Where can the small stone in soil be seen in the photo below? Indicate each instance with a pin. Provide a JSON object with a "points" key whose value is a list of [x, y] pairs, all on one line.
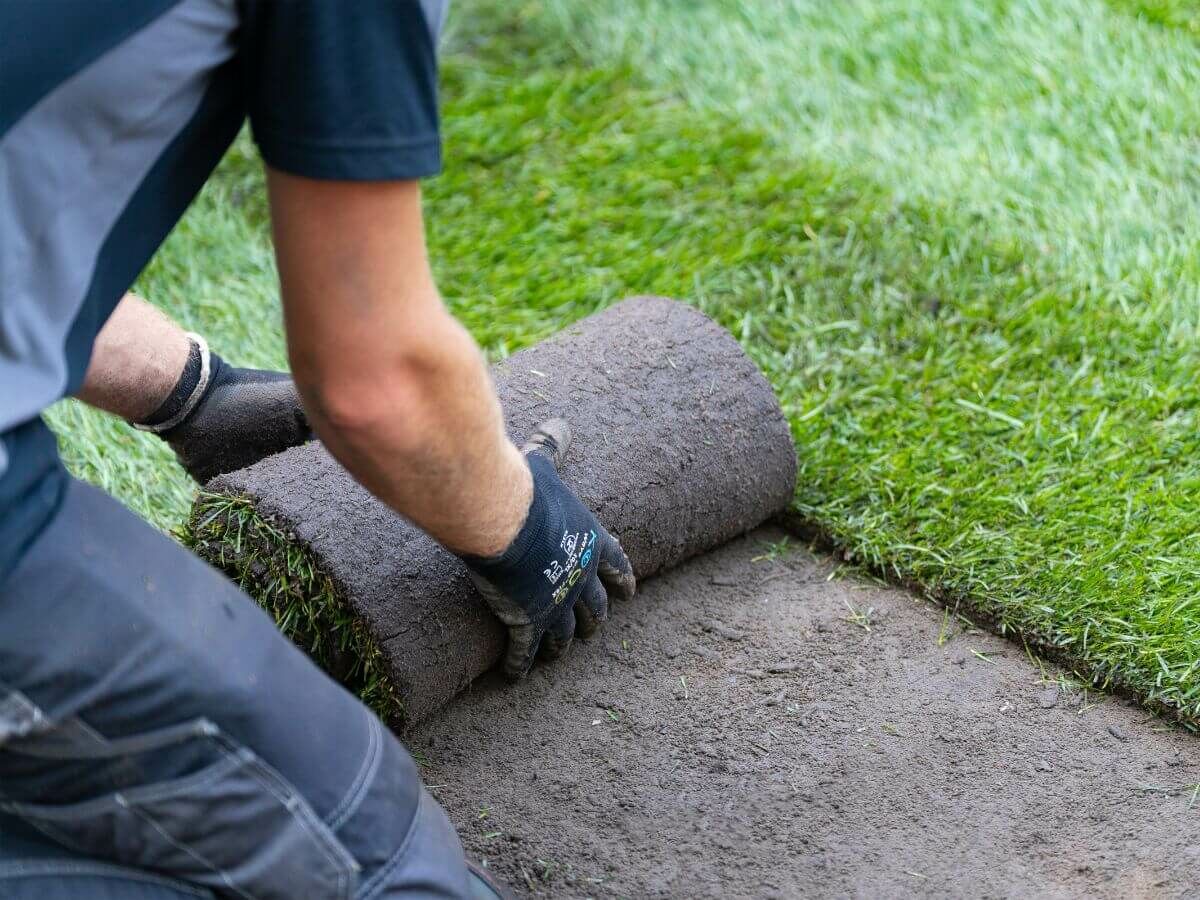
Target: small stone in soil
{"points": [[725, 580], [1049, 698], [720, 628]]}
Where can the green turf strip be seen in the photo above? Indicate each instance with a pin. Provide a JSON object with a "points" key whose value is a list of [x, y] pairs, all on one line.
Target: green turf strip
{"points": [[967, 418], [1027, 170], [1182, 14], [971, 414]]}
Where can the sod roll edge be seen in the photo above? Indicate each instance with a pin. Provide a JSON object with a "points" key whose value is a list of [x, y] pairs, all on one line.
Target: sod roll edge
{"points": [[678, 445]]}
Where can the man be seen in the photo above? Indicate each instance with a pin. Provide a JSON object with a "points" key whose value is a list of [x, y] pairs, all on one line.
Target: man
{"points": [[158, 737]]}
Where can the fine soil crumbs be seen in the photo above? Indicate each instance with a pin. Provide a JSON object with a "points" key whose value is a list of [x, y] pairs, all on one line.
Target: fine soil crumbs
{"points": [[749, 726]]}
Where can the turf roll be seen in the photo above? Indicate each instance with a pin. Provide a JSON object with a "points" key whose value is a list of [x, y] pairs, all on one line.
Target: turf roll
{"points": [[678, 445]]}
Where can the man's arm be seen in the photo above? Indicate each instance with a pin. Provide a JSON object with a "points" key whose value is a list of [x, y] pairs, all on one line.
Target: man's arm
{"points": [[395, 387], [399, 393], [137, 358]]}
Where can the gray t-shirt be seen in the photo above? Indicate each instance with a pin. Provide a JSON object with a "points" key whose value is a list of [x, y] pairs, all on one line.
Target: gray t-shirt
{"points": [[113, 114]]}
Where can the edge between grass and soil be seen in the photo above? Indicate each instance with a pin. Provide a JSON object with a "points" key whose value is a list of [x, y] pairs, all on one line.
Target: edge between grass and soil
{"points": [[871, 317], [282, 575], [976, 422]]}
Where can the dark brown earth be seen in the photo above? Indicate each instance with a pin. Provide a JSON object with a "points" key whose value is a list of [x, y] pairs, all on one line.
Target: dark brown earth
{"points": [[753, 727]]}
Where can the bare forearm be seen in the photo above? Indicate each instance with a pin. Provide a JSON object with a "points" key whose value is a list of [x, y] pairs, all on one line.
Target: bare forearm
{"points": [[425, 435], [136, 360], [395, 387]]}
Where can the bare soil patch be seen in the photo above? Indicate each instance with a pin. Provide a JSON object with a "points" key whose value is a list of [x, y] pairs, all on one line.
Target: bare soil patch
{"points": [[753, 727]]}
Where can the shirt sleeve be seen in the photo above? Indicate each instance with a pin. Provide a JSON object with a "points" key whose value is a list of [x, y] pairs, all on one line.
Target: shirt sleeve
{"points": [[344, 90]]}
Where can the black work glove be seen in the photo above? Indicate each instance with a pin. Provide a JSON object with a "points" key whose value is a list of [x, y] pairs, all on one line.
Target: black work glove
{"points": [[237, 417], [555, 579]]}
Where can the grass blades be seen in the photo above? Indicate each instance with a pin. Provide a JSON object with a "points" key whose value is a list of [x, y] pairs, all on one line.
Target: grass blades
{"points": [[969, 417], [280, 574], [1181, 14], [1060, 123]]}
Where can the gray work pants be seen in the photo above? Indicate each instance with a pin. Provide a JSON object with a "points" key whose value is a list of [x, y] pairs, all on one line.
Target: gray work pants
{"points": [[160, 738]]}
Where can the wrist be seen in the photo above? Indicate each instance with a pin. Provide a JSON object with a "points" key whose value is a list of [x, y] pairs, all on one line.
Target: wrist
{"points": [[511, 508], [189, 389], [523, 530]]}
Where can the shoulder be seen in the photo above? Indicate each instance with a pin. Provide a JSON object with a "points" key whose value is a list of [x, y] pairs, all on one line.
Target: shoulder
{"points": [[50, 44], [344, 91]]}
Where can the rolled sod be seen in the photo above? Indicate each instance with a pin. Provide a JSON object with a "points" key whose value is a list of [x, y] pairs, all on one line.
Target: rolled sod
{"points": [[678, 445]]}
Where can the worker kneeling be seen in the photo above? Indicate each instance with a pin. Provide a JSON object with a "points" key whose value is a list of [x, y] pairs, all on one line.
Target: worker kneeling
{"points": [[158, 736]]}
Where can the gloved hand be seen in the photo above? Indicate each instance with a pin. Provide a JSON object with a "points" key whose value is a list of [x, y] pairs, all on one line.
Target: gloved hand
{"points": [[555, 579], [240, 416]]}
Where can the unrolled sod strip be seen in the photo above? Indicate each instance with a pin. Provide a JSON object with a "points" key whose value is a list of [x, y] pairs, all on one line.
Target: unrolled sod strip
{"points": [[678, 445]]}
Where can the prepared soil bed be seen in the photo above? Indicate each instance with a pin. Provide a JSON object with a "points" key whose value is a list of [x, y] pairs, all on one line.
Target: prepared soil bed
{"points": [[754, 725]]}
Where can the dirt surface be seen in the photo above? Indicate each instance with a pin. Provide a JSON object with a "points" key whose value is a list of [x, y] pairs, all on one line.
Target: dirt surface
{"points": [[753, 727]]}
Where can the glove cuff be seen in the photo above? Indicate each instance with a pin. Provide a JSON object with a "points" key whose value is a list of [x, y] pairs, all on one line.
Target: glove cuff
{"points": [[189, 390], [529, 536]]}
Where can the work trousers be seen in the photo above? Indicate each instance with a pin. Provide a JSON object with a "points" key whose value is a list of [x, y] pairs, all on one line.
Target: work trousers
{"points": [[159, 738]]}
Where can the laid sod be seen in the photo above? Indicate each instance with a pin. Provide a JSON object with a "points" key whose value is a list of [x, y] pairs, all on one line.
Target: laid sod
{"points": [[1182, 14], [959, 238]]}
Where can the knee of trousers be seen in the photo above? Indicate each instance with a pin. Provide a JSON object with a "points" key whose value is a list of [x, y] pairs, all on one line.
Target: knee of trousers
{"points": [[177, 731], [191, 803]]}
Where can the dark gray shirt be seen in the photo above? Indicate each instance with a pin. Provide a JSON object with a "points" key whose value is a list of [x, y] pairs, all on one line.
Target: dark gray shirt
{"points": [[113, 113]]}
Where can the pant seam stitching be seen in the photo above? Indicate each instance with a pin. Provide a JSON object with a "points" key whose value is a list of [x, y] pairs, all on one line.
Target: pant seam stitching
{"points": [[372, 887], [301, 813], [149, 820], [362, 781], [104, 803]]}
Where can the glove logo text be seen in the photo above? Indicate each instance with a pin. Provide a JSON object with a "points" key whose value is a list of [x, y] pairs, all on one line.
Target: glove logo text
{"points": [[579, 552]]}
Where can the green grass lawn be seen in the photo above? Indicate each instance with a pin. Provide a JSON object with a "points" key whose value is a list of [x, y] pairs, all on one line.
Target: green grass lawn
{"points": [[1182, 14], [961, 238]]}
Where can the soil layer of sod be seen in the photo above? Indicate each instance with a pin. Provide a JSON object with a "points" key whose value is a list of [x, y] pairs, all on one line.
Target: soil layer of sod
{"points": [[754, 725]]}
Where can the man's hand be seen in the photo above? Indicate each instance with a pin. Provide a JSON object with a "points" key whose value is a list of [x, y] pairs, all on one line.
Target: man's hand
{"points": [[241, 416], [150, 372], [400, 395], [555, 578]]}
